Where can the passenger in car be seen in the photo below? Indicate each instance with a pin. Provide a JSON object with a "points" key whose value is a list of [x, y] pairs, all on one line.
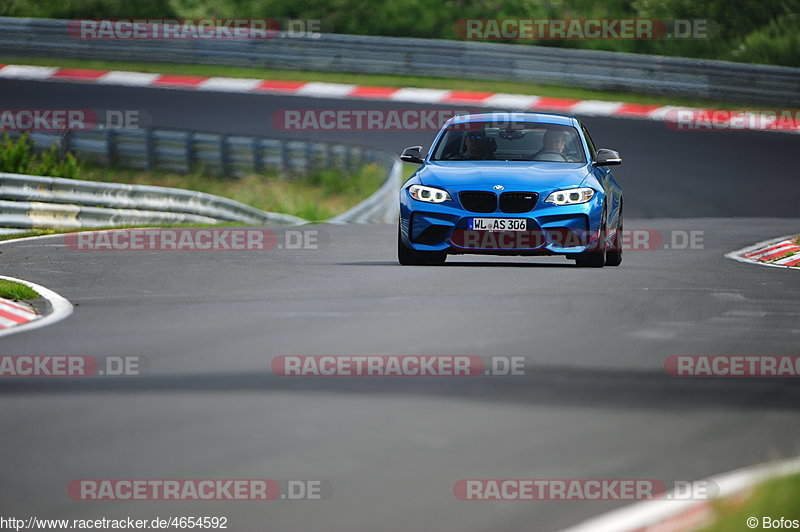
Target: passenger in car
{"points": [[479, 145]]}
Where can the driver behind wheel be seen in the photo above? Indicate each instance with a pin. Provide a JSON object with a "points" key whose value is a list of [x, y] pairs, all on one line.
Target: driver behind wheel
{"points": [[553, 144]]}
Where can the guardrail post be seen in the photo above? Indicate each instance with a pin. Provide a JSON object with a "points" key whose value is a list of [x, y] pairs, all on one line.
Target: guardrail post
{"points": [[258, 164], [111, 152], [360, 157], [149, 155], [309, 155], [63, 143], [189, 151], [285, 156], [348, 157], [223, 155]]}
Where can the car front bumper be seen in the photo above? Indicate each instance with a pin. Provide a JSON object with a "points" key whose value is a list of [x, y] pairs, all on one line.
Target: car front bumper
{"points": [[551, 229]]}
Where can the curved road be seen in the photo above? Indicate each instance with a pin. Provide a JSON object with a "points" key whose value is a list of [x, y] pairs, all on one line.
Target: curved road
{"points": [[595, 402]]}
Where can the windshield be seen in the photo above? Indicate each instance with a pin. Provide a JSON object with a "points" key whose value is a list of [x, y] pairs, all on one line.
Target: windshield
{"points": [[529, 141]]}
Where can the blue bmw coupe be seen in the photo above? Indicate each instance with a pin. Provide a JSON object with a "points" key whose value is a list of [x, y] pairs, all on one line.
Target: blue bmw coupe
{"points": [[511, 184]]}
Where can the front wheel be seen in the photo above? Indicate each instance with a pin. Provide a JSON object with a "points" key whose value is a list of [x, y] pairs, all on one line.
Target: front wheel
{"points": [[614, 254], [591, 259], [411, 257], [595, 258]]}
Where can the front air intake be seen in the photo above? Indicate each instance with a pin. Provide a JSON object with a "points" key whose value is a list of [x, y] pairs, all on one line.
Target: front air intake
{"points": [[476, 201], [516, 202]]}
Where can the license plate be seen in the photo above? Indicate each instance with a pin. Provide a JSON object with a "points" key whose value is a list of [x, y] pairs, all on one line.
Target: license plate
{"points": [[498, 224]]}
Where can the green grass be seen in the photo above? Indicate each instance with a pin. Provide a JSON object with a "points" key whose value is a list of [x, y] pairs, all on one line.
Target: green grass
{"points": [[775, 498], [317, 196], [16, 291], [380, 80]]}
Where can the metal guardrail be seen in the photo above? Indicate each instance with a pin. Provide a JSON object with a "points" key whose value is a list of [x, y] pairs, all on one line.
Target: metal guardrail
{"points": [[738, 82], [46, 202], [34, 202], [227, 155]]}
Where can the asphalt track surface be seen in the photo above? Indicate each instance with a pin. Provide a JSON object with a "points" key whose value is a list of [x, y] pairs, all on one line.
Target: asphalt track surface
{"points": [[595, 402]]}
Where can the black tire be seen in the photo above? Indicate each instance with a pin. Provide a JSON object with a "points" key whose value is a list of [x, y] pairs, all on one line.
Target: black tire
{"points": [[591, 259], [614, 255], [595, 258], [410, 257]]}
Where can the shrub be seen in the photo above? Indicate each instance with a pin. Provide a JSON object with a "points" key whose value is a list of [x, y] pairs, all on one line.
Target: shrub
{"points": [[17, 156]]}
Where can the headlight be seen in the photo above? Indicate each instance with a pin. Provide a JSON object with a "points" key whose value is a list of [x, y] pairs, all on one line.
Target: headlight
{"points": [[429, 194], [571, 196]]}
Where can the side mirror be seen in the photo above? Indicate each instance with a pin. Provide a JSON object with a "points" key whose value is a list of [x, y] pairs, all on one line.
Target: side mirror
{"points": [[412, 155], [607, 157]]}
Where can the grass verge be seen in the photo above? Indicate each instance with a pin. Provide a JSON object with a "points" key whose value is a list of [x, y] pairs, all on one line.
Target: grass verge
{"points": [[381, 80], [773, 499], [16, 291], [317, 196]]}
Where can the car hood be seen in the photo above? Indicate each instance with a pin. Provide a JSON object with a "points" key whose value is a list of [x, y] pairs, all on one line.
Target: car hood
{"points": [[510, 174]]}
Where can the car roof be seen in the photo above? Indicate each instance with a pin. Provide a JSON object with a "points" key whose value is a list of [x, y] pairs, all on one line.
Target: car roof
{"points": [[522, 116]]}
